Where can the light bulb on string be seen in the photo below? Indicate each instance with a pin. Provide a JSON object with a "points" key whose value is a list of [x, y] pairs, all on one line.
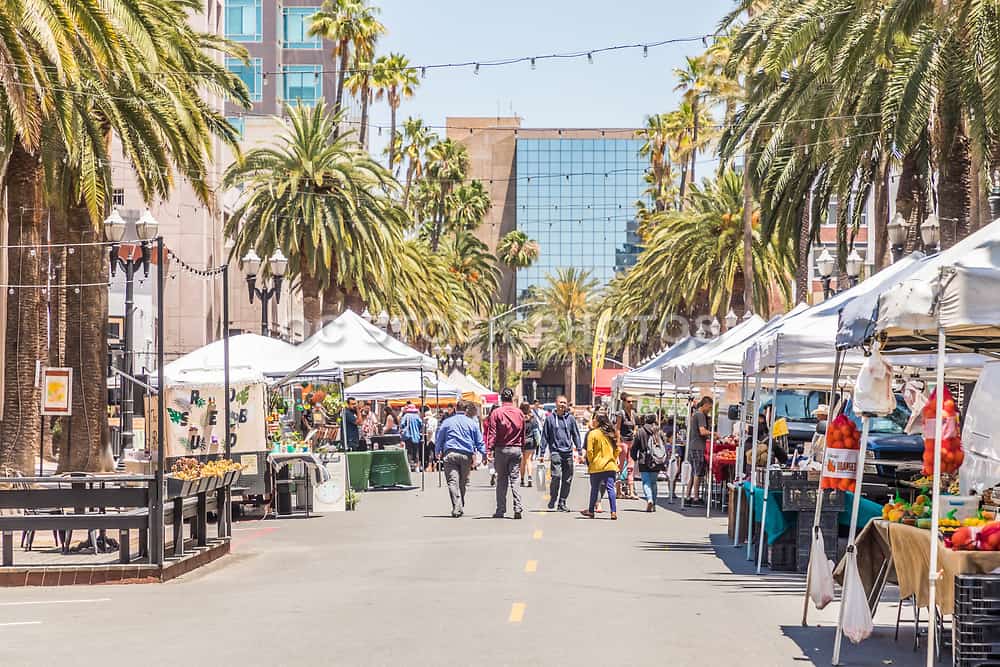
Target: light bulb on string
{"points": [[645, 51], [423, 72], [533, 66], [476, 71], [590, 58]]}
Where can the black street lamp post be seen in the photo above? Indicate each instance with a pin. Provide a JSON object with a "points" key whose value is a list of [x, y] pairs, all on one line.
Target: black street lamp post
{"points": [[257, 286], [146, 228]]}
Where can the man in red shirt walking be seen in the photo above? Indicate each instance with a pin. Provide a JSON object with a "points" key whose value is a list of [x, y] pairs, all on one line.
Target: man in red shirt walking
{"points": [[504, 438]]}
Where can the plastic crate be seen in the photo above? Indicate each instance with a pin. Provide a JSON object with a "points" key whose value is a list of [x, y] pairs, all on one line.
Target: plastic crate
{"points": [[783, 557], [798, 495], [977, 637], [828, 527], [977, 595]]}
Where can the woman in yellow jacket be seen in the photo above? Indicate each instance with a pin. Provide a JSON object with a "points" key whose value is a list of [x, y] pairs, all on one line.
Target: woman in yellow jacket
{"points": [[602, 462]]}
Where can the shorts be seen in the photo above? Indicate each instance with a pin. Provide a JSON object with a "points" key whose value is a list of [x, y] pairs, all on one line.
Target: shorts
{"points": [[698, 465]]}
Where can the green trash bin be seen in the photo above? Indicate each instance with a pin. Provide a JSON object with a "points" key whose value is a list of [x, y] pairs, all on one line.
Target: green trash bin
{"points": [[389, 468], [359, 465]]}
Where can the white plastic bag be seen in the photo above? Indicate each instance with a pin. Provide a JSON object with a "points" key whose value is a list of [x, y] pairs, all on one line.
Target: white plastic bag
{"points": [[820, 573], [685, 473], [873, 389], [858, 624], [673, 467]]}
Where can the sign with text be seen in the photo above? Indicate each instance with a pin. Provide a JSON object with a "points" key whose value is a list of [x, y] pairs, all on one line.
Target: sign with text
{"points": [[841, 463], [57, 391], [196, 421]]}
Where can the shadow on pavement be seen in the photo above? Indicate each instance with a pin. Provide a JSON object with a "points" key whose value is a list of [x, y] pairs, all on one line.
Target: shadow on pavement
{"points": [[816, 643]]}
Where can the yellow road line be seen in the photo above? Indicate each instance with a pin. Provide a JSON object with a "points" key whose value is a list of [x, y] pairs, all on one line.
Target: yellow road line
{"points": [[537, 535], [531, 566], [516, 612]]}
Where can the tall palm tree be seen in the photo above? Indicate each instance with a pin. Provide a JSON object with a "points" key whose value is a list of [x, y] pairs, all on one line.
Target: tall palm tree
{"points": [[360, 84], [325, 204], [516, 251], [447, 166], [470, 261], [397, 81], [467, 206], [352, 27], [510, 337], [696, 81], [415, 140], [684, 143], [694, 260], [565, 303], [656, 147]]}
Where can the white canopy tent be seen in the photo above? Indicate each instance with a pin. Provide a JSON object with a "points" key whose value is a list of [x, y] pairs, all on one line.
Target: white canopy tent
{"points": [[468, 385], [269, 356], [403, 386], [356, 346], [647, 380]]}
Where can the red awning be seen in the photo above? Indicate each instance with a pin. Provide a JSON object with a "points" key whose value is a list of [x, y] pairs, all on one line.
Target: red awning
{"points": [[602, 384]]}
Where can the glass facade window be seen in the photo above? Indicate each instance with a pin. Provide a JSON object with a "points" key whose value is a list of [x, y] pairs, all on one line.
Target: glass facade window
{"points": [[239, 124], [244, 20], [296, 22], [302, 83], [252, 75], [577, 198]]}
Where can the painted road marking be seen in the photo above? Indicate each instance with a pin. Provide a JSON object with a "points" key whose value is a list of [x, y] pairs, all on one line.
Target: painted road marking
{"points": [[537, 534], [516, 612], [531, 566], [27, 602], [7, 625]]}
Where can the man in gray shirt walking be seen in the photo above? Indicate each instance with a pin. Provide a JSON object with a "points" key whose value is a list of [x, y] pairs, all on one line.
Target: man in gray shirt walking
{"points": [[698, 435], [560, 436]]}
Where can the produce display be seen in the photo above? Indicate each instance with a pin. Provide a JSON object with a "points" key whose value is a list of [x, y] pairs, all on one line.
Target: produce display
{"points": [[916, 513], [952, 455], [190, 469], [982, 537], [840, 434]]}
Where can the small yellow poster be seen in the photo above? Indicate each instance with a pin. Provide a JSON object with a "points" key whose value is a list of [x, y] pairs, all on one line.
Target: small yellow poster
{"points": [[57, 391]]}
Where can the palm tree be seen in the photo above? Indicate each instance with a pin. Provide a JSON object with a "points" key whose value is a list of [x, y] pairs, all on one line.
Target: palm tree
{"points": [[397, 81], [696, 81], [467, 205], [693, 260], [565, 303], [510, 337], [470, 261], [447, 166], [516, 251], [325, 204], [360, 84], [656, 147], [352, 26], [415, 140], [679, 126]]}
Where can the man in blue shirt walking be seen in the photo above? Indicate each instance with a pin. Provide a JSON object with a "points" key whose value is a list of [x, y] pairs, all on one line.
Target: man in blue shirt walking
{"points": [[458, 438], [560, 436]]}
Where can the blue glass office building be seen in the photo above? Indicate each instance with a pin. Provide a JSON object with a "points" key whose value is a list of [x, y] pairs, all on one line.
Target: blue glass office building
{"points": [[577, 197]]}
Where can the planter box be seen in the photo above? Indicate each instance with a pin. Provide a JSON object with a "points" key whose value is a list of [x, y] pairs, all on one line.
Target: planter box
{"points": [[184, 488]]}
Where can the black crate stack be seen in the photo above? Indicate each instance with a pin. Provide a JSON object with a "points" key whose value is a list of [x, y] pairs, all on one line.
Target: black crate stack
{"points": [[977, 620], [790, 552]]}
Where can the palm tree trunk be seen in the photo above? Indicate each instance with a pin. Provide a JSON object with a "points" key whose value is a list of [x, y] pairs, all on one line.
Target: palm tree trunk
{"points": [[363, 132], [879, 223], [410, 172], [694, 138], [910, 197], [333, 301], [86, 347], [438, 220], [684, 178], [502, 365], [954, 169], [25, 325], [572, 380], [311, 309], [747, 239], [341, 75], [802, 281], [393, 106]]}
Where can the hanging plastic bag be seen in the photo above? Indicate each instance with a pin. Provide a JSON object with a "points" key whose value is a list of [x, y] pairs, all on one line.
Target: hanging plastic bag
{"points": [[685, 474], [858, 624], [673, 467], [873, 389], [913, 396], [820, 573]]}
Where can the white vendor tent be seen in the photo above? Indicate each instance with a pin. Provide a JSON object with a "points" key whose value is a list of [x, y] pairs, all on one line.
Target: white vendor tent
{"points": [[403, 386], [468, 385], [356, 346], [681, 372], [647, 379], [269, 356]]}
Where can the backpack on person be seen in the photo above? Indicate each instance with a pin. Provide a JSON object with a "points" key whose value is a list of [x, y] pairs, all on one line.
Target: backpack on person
{"points": [[656, 452]]}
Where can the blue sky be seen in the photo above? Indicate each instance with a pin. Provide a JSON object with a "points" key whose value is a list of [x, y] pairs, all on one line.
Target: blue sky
{"points": [[618, 90]]}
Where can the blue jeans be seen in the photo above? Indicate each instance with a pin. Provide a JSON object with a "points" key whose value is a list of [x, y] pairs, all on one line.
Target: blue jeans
{"points": [[649, 486], [606, 479]]}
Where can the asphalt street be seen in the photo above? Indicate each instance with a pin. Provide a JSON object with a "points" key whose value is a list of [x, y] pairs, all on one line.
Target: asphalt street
{"points": [[399, 582]]}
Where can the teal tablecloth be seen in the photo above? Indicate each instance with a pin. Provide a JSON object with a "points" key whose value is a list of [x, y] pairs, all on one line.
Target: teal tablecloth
{"points": [[777, 521]]}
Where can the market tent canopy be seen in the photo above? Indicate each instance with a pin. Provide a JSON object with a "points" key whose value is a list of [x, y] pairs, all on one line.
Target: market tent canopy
{"points": [[201, 377], [472, 390], [356, 346], [269, 356], [678, 371], [726, 366], [647, 379], [957, 290], [805, 343], [403, 386], [603, 380]]}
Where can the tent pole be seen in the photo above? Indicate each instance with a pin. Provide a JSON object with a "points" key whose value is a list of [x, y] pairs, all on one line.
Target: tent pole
{"points": [[673, 447], [838, 357], [753, 466], [770, 450], [423, 422], [852, 532], [935, 506], [711, 455], [740, 457], [437, 406]]}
